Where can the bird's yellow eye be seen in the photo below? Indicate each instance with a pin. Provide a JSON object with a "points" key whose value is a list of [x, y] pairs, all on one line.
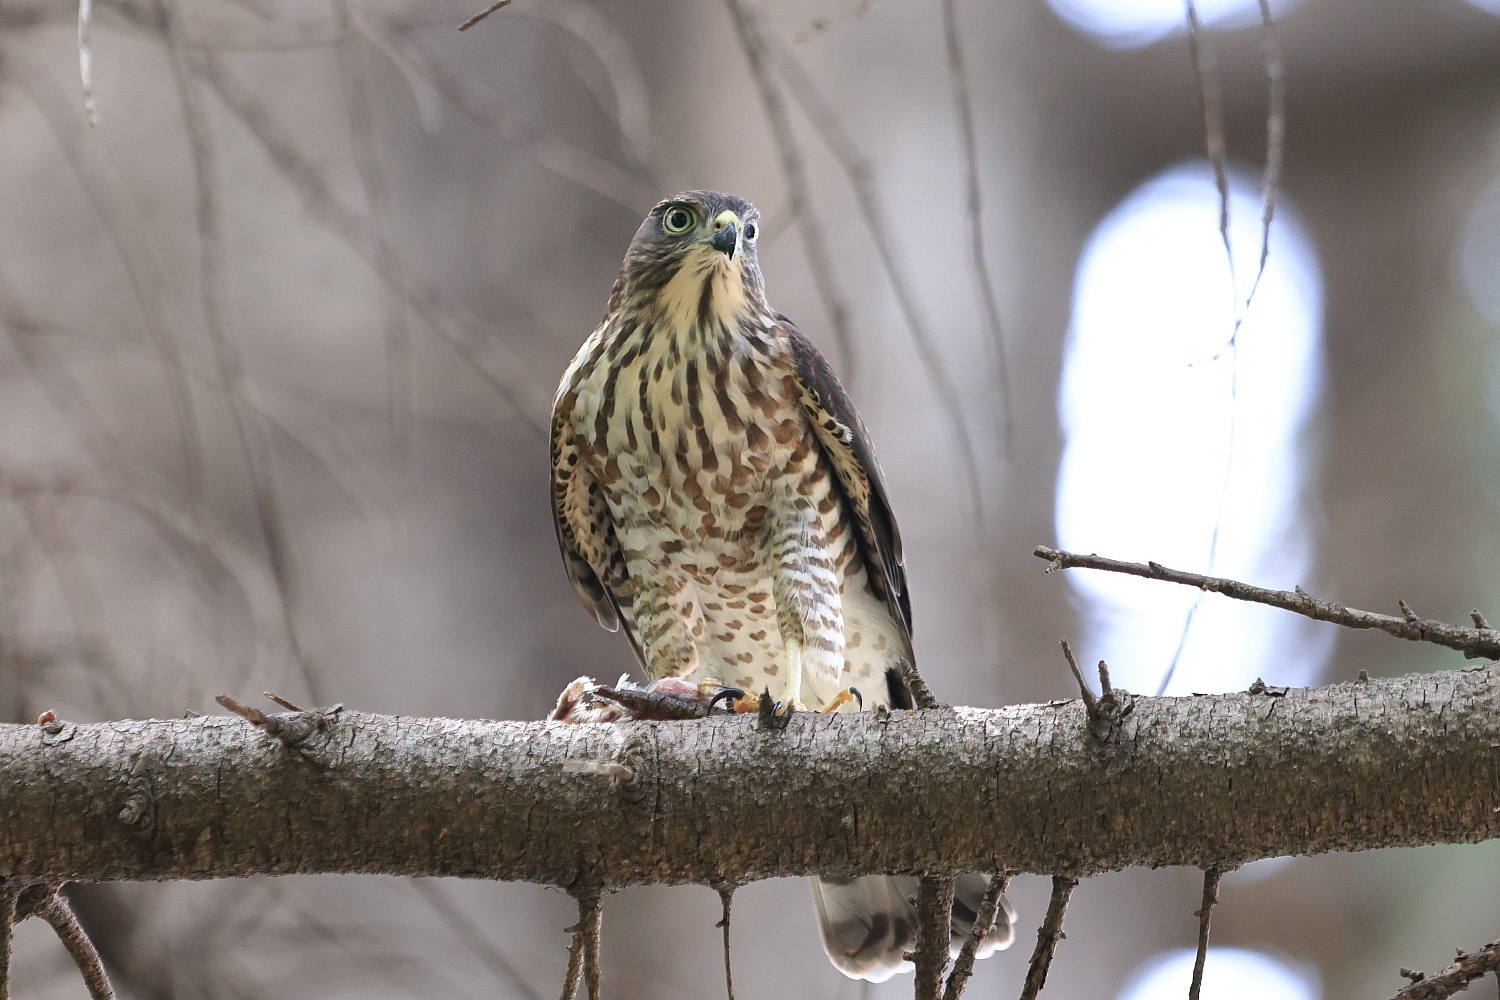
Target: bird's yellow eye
{"points": [[751, 231], [677, 220]]}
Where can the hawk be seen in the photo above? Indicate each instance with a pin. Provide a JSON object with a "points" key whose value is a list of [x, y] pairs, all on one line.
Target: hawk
{"points": [[717, 499]]}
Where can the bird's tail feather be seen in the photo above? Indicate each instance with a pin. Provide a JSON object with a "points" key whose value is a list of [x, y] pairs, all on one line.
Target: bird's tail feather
{"points": [[869, 923]]}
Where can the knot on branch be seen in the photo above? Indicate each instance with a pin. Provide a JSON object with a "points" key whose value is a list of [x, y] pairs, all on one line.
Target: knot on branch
{"points": [[1108, 710], [293, 728]]}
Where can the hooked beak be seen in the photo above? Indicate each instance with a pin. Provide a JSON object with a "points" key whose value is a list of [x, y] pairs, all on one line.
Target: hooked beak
{"points": [[726, 238]]}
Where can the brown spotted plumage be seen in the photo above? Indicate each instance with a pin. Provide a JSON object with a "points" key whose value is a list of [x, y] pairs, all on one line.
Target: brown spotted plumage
{"points": [[716, 497]]}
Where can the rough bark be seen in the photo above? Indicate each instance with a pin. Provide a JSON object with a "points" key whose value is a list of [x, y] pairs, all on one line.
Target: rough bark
{"points": [[1206, 781]]}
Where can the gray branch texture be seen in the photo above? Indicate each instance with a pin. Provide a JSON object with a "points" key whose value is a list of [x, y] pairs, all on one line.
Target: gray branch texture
{"points": [[1206, 780]]}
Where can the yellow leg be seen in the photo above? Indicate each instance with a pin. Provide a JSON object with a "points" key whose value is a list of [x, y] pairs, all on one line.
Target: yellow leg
{"points": [[791, 693]]}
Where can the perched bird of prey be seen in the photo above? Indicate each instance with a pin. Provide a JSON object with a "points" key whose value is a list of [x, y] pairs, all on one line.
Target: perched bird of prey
{"points": [[716, 497]]}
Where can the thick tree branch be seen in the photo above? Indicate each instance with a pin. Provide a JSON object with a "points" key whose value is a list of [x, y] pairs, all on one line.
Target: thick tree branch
{"points": [[1205, 781]]}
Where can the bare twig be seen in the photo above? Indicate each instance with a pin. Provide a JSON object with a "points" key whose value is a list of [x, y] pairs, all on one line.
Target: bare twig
{"points": [[964, 110], [278, 699], [1047, 936], [1456, 978], [574, 975], [59, 914], [1474, 643], [799, 189], [934, 923], [292, 730], [1270, 178], [921, 694], [483, 14], [984, 922], [590, 916], [1211, 877], [1089, 701], [726, 902]]}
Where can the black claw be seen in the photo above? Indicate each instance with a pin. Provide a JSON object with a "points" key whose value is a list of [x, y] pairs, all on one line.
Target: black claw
{"points": [[728, 694], [858, 698], [774, 715]]}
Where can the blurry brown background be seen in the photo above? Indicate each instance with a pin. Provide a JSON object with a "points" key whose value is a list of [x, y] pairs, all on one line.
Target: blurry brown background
{"points": [[277, 339]]}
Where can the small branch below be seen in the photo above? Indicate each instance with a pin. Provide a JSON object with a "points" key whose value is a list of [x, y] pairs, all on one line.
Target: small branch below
{"points": [[1211, 877], [726, 901], [1455, 978], [984, 922], [1047, 936], [921, 694], [934, 920], [1474, 643], [70, 932]]}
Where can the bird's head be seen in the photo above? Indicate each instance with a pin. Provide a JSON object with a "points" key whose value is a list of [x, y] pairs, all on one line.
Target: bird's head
{"points": [[694, 258]]}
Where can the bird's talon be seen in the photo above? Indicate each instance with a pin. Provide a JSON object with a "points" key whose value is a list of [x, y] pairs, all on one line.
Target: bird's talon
{"points": [[846, 696], [738, 700]]}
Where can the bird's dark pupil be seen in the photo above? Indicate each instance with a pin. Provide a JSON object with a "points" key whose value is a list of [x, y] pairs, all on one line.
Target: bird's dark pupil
{"points": [[677, 219], [750, 231]]}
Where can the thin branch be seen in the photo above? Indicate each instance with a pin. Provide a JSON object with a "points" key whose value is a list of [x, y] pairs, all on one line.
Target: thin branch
{"points": [[726, 902], [292, 729], [1047, 936], [1474, 643], [1211, 877], [753, 44], [1456, 978], [1270, 178], [483, 14], [964, 111], [921, 694], [574, 975], [984, 922], [1089, 701], [590, 917], [934, 922], [1205, 67], [75, 939]]}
